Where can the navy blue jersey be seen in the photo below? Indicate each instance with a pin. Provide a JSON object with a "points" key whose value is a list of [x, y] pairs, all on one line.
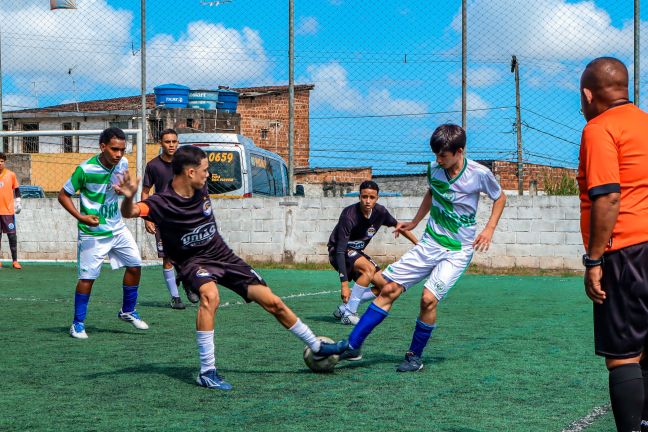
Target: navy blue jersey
{"points": [[158, 173], [355, 231]]}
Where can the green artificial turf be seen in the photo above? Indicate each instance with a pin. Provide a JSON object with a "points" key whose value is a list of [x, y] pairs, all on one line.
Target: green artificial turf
{"points": [[511, 353]]}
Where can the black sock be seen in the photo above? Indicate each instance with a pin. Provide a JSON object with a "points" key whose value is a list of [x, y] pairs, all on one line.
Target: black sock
{"points": [[13, 246], [627, 396], [644, 415]]}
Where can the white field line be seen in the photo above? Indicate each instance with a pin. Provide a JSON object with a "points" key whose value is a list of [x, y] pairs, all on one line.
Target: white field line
{"points": [[226, 304], [583, 423]]}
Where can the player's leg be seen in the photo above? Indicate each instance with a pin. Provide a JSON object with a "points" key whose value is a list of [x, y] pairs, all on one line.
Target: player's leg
{"points": [[626, 392], [170, 280], [364, 269], [644, 372], [209, 300], [124, 253], [13, 243], [264, 297]]}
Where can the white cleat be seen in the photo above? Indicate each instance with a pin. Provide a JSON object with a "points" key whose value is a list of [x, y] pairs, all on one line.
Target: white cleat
{"points": [[133, 318], [77, 330], [339, 311], [350, 318]]}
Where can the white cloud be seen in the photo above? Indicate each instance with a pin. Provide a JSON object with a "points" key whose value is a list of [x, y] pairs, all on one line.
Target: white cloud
{"points": [[477, 77], [333, 89], [546, 29], [476, 106], [11, 102], [41, 46], [307, 26]]}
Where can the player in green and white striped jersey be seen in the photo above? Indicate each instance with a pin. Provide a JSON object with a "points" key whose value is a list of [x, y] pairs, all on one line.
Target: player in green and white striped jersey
{"points": [[102, 231], [446, 248]]}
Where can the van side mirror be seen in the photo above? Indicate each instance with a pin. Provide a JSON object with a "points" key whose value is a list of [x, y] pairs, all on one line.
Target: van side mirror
{"points": [[299, 190]]}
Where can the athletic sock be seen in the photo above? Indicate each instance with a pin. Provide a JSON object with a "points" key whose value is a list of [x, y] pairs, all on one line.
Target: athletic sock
{"points": [[169, 278], [303, 332], [373, 316], [627, 396], [644, 416], [422, 333], [13, 246], [80, 306], [130, 298], [368, 295], [356, 298], [205, 341]]}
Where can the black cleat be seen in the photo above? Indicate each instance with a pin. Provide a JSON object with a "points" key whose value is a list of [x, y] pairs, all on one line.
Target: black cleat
{"points": [[176, 303], [191, 296], [351, 354], [412, 363]]}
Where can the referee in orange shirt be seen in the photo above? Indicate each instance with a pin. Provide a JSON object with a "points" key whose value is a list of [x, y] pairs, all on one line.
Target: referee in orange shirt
{"points": [[9, 207], [613, 183]]}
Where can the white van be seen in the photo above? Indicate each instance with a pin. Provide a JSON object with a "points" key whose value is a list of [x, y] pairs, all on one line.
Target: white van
{"points": [[237, 167]]}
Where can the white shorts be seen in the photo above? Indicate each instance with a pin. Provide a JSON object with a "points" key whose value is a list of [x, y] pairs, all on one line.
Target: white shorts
{"points": [[444, 267], [121, 249]]}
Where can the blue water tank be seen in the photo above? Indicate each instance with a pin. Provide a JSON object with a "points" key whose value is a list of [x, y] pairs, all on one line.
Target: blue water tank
{"points": [[205, 99], [227, 100], [171, 95]]}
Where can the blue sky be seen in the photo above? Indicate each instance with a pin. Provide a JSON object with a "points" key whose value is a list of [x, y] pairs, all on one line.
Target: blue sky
{"points": [[386, 73]]}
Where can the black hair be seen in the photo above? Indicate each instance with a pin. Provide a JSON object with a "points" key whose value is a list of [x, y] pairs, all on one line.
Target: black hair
{"points": [[448, 137], [110, 133], [368, 184], [3, 156], [166, 132], [185, 156]]}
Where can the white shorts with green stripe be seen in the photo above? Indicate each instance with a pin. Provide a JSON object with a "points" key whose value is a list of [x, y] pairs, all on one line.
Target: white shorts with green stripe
{"points": [[120, 249], [428, 259]]}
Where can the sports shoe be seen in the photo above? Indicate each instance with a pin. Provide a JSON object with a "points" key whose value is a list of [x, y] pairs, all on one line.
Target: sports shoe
{"points": [[351, 354], [16, 265], [176, 303], [191, 296], [350, 318], [412, 363], [77, 330], [329, 349], [133, 318], [338, 312], [212, 380]]}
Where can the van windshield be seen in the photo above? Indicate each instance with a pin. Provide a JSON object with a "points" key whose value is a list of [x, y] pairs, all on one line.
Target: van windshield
{"points": [[224, 171]]}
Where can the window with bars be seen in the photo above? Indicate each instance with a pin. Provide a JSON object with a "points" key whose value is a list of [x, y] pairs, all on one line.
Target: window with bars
{"points": [[30, 144], [70, 143]]}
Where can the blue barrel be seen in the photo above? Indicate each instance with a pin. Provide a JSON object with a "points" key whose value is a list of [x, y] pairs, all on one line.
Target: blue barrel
{"points": [[171, 96], [205, 99], [227, 100]]}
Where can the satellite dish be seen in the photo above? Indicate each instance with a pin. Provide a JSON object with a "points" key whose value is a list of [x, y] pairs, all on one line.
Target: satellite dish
{"points": [[62, 4]]}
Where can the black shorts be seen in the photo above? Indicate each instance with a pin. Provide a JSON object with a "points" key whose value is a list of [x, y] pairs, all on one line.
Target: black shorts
{"points": [[229, 271], [8, 224], [351, 257], [158, 242], [621, 322]]}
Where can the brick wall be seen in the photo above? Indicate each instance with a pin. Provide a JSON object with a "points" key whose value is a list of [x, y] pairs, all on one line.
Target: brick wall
{"points": [[331, 181], [507, 174], [536, 232], [265, 119]]}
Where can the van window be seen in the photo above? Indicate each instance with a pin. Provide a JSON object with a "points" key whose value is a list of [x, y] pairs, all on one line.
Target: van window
{"points": [[224, 171], [262, 182], [275, 172]]}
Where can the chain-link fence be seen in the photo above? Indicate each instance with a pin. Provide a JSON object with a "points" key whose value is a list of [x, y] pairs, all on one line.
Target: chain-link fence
{"points": [[372, 81]]}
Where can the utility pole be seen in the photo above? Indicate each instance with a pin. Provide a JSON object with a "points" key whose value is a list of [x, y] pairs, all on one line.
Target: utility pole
{"points": [[291, 96], [464, 63], [515, 68]]}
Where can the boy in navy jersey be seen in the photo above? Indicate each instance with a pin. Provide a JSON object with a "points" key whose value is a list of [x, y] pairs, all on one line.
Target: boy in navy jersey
{"points": [[201, 257], [357, 225]]}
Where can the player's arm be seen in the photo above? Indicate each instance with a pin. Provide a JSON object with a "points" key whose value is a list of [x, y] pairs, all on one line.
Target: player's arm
{"points": [[127, 187], [17, 197], [424, 210], [409, 235], [483, 240], [148, 225], [146, 192], [66, 202]]}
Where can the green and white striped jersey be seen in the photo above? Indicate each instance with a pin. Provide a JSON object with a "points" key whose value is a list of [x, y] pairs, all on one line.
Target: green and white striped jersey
{"points": [[452, 222], [95, 185]]}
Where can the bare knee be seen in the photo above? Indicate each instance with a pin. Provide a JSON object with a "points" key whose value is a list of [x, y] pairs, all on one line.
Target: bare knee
{"points": [[429, 301], [134, 271], [209, 299], [391, 291], [274, 305]]}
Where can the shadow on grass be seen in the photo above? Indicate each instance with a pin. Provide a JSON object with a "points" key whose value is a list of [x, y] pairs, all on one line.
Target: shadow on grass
{"points": [[91, 329], [383, 359], [182, 374], [322, 318]]}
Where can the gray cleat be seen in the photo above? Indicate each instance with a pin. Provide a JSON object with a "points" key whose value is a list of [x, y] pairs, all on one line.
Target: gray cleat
{"points": [[412, 363]]}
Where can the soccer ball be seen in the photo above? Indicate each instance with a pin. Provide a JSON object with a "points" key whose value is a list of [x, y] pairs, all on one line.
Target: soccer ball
{"points": [[320, 364]]}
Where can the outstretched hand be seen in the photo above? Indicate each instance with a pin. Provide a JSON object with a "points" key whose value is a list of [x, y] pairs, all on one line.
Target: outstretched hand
{"points": [[483, 240], [127, 186], [401, 227]]}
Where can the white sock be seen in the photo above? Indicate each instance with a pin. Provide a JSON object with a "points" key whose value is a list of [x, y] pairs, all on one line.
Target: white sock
{"points": [[303, 332], [169, 277], [205, 340], [356, 298], [368, 295]]}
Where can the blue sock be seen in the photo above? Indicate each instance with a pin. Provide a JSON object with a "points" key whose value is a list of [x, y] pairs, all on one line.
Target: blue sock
{"points": [[422, 333], [373, 316], [130, 298], [80, 306]]}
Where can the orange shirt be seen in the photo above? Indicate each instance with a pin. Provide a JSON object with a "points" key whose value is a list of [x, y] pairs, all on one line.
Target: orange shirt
{"points": [[8, 182], [614, 158]]}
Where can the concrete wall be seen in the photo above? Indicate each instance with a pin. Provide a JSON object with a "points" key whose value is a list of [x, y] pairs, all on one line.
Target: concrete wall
{"points": [[537, 232]]}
